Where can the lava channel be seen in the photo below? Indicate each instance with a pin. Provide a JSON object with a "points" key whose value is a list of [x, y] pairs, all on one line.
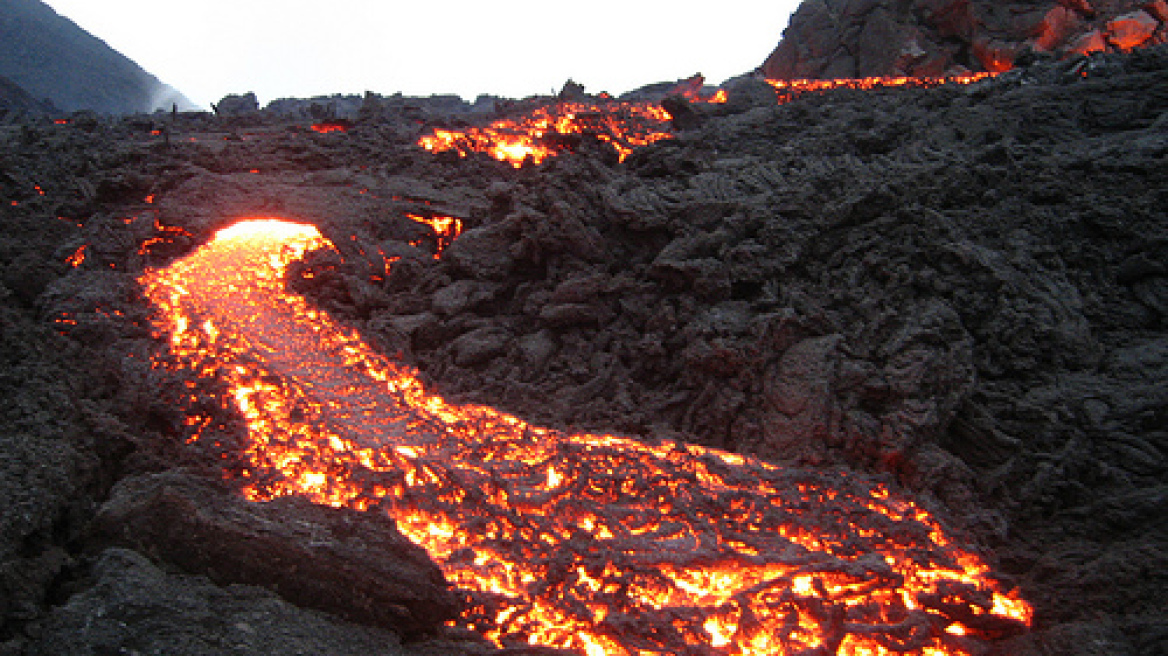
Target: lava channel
{"points": [[596, 543]]}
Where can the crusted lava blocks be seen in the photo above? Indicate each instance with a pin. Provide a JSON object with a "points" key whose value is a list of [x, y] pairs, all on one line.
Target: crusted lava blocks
{"points": [[861, 38]]}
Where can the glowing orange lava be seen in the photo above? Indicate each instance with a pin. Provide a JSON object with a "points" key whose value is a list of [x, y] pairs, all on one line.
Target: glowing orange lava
{"points": [[446, 228], [549, 130], [78, 257], [597, 543], [693, 90], [625, 125], [790, 88], [326, 127]]}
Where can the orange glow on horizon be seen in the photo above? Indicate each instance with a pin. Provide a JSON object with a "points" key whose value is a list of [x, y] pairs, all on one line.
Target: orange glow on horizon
{"points": [[598, 543]]}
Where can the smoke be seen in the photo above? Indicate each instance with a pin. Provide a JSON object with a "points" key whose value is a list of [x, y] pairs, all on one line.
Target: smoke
{"points": [[165, 97]]}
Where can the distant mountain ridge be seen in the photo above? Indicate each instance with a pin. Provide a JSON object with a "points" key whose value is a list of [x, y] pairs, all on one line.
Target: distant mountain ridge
{"points": [[54, 59]]}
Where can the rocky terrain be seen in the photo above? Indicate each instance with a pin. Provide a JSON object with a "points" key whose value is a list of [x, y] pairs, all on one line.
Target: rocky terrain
{"points": [[961, 291], [924, 38]]}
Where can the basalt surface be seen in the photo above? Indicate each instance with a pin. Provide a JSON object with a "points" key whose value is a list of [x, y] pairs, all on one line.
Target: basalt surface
{"points": [[961, 291], [858, 38]]}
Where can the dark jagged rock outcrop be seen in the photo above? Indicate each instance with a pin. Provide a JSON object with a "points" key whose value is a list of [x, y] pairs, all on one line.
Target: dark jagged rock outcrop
{"points": [[52, 58], [928, 38], [134, 606], [353, 564]]}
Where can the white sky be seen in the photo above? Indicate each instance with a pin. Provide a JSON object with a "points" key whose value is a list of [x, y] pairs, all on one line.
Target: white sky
{"points": [[515, 48]]}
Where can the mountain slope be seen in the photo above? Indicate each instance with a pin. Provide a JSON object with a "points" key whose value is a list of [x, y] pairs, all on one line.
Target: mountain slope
{"points": [[14, 98], [52, 58]]}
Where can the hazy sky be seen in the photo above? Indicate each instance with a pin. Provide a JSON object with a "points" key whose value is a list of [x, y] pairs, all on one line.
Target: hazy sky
{"points": [[280, 48]]}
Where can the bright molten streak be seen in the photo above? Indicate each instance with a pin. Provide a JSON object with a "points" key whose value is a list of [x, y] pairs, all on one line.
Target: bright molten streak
{"points": [[548, 130], [601, 544]]}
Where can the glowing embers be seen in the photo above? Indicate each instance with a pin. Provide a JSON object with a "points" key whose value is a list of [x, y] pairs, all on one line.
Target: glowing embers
{"points": [[594, 542], [693, 89], [78, 257], [555, 128], [334, 125], [446, 229], [165, 236]]}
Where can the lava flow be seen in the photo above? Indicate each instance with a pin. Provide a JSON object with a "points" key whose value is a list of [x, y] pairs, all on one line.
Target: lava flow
{"points": [[332, 125], [601, 544], [793, 88], [551, 129]]}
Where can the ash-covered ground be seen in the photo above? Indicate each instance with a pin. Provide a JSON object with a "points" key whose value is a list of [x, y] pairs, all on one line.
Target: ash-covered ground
{"points": [[961, 291]]}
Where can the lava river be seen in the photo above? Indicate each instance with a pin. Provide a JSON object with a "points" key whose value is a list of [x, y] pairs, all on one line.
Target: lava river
{"points": [[596, 543]]}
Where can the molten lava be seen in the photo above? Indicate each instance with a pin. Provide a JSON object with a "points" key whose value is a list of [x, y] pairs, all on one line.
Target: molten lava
{"points": [[692, 89], [78, 257], [552, 129], [549, 130], [790, 89], [446, 229], [597, 543], [337, 125]]}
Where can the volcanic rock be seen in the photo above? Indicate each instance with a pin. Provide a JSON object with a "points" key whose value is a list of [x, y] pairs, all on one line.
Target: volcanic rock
{"points": [[484, 252], [1055, 27], [860, 38], [569, 314], [1158, 9], [536, 349], [136, 607], [353, 564], [1089, 42], [798, 396], [1131, 30], [682, 115], [959, 291], [237, 105], [45, 471], [748, 92], [479, 346], [461, 296]]}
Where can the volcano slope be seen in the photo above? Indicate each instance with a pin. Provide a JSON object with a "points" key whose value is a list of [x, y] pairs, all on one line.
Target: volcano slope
{"points": [[960, 291]]}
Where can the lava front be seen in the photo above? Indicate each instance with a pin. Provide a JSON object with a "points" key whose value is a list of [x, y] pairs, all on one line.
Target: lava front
{"points": [[596, 543], [625, 125]]}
